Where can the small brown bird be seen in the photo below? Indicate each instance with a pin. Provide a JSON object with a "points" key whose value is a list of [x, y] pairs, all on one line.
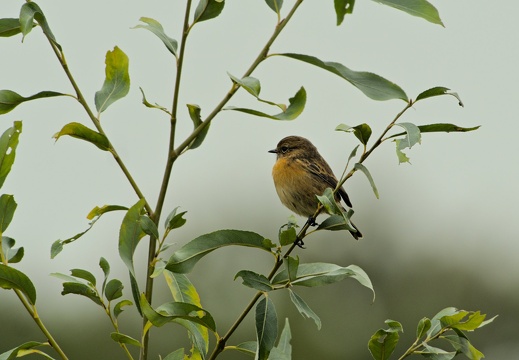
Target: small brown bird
{"points": [[300, 173]]}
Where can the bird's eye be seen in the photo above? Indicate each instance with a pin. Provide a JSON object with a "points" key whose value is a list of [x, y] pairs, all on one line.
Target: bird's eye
{"points": [[284, 149]]}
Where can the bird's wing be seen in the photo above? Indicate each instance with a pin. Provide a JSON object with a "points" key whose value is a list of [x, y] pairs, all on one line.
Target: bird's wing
{"points": [[324, 173]]}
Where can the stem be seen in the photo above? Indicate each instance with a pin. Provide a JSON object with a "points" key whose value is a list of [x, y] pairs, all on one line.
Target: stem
{"points": [[152, 249], [31, 309]]}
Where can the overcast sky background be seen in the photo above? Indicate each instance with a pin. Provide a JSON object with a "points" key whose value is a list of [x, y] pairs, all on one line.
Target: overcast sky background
{"points": [[456, 204]]}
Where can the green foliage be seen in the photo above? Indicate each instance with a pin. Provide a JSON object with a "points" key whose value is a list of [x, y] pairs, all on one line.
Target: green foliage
{"points": [[287, 272]]}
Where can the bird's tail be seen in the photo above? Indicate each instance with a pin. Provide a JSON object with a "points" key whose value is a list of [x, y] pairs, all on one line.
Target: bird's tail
{"points": [[356, 234]]}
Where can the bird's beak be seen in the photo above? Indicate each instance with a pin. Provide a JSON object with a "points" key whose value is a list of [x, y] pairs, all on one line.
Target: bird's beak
{"points": [[274, 151]]}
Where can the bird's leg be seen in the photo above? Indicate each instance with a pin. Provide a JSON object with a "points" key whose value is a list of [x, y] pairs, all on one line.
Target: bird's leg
{"points": [[299, 242]]}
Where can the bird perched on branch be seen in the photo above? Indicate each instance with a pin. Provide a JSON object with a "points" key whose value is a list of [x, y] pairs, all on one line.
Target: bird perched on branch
{"points": [[300, 173]]}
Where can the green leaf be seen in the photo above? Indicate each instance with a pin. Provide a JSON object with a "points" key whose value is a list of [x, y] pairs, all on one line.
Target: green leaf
{"points": [[12, 255], [266, 327], [176, 310], [343, 7], [124, 339], [174, 220], [117, 80], [7, 208], [183, 291], [287, 236], [420, 8], [435, 321], [29, 12], [21, 350], [152, 106], [275, 5], [434, 353], [463, 345], [412, 137], [329, 202], [8, 144], [98, 211], [361, 132], [249, 83], [283, 351], [394, 326], [440, 127], [304, 309], [294, 109], [148, 226], [373, 86], [382, 344], [438, 91], [247, 347], [81, 289], [194, 113], [114, 289], [254, 280], [337, 222], [118, 308], [365, 171], [423, 326], [80, 131], [291, 266], [318, 274], [474, 320], [14, 279], [155, 27], [130, 234], [9, 99], [208, 9], [184, 259], [105, 266], [176, 355], [9, 27], [83, 274]]}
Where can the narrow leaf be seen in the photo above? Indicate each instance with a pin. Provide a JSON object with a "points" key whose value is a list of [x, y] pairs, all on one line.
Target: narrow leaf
{"points": [[304, 309], [81, 289], [184, 259], [14, 279], [342, 8], [84, 274], [366, 172], [194, 114], [434, 353], [105, 266], [176, 355], [412, 137], [438, 91], [124, 339], [275, 5], [208, 9], [329, 203], [266, 327], [184, 291], [247, 347], [291, 266], [361, 132], [440, 127], [148, 226], [420, 8], [177, 310], [7, 209], [287, 236], [423, 326], [283, 351], [130, 234], [21, 349], [249, 83], [29, 12], [155, 27], [254, 280], [117, 80], [9, 27], [435, 321], [294, 109], [373, 86], [98, 211], [337, 223], [80, 131], [8, 144], [463, 345], [9, 99]]}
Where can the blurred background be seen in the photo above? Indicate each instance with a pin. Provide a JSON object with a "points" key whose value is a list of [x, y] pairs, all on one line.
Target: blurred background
{"points": [[443, 233]]}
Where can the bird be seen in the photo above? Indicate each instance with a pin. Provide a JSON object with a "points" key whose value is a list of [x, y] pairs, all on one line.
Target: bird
{"points": [[300, 173]]}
